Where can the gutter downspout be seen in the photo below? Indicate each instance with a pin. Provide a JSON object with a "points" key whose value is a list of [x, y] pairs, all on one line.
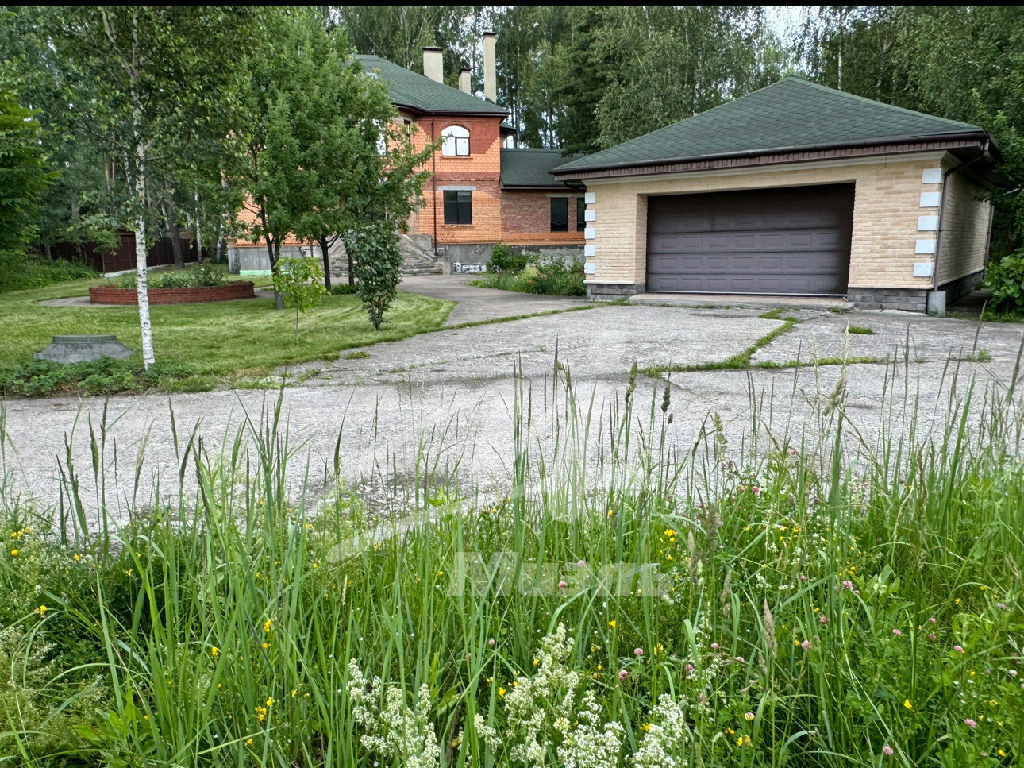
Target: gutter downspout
{"points": [[433, 180], [942, 212]]}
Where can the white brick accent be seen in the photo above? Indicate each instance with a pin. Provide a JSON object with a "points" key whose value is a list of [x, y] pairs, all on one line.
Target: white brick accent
{"points": [[929, 199], [590, 198], [925, 246], [590, 268], [924, 268], [589, 251], [931, 176], [590, 215], [927, 223], [589, 233]]}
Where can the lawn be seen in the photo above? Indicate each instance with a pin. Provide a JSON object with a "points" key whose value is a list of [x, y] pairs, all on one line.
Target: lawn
{"points": [[201, 346], [790, 609]]}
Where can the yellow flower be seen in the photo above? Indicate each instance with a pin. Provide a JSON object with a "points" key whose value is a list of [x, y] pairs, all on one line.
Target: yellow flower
{"points": [[270, 703], [501, 691], [248, 741], [266, 646], [215, 651], [647, 727], [42, 610], [612, 623], [907, 704], [77, 558], [294, 692], [599, 667], [14, 553], [536, 662], [267, 625], [749, 716]]}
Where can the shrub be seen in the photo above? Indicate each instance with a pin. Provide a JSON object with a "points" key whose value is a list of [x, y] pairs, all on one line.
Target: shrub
{"points": [[504, 259], [556, 277], [203, 275], [41, 378], [343, 290], [300, 281], [1006, 281], [19, 272], [377, 265]]}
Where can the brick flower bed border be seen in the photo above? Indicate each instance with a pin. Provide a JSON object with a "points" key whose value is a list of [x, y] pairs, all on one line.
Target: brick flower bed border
{"points": [[108, 294]]}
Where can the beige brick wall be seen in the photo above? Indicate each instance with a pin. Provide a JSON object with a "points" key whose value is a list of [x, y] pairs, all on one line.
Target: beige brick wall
{"points": [[885, 216], [963, 242]]}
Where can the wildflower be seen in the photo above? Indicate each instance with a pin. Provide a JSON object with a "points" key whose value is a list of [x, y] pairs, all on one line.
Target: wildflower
{"points": [[267, 625], [823, 619], [970, 723], [803, 578], [749, 716], [741, 660], [562, 585], [958, 648], [623, 674], [806, 645], [582, 564], [248, 741], [689, 668], [14, 553], [536, 661], [897, 633], [1001, 606], [266, 646], [491, 642], [501, 691], [647, 727], [714, 646], [41, 610], [907, 704], [931, 620], [215, 651], [886, 749], [932, 637], [612, 623], [847, 584], [638, 651], [270, 703]]}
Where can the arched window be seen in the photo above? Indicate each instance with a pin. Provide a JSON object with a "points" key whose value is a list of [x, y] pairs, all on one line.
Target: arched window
{"points": [[455, 141]]}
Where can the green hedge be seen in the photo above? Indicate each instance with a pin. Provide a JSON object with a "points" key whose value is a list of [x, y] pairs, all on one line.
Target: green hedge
{"points": [[19, 272]]}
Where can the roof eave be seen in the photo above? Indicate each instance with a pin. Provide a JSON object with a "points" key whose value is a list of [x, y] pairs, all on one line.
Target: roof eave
{"points": [[980, 134]]}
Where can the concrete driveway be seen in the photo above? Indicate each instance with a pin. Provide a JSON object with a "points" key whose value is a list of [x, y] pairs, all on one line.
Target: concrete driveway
{"points": [[445, 400]]}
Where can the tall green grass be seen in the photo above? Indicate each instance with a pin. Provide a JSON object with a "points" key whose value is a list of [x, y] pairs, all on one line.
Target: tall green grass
{"points": [[814, 597]]}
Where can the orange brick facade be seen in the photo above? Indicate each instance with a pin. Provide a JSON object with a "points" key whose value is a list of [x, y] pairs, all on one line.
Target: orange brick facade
{"points": [[499, 215]]}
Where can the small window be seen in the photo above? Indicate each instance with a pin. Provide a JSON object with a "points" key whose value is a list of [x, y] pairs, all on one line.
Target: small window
{"points": [[455, 141], [458, 207], [559, 214], [581, 211]]}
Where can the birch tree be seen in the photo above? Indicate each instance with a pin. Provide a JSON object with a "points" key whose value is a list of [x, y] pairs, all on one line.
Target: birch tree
{"points": [[163, 82]]}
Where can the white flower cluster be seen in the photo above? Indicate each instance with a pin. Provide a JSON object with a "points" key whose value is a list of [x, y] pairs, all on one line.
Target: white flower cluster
{"points": [[394, 733], [666, 738], [544, 718]]}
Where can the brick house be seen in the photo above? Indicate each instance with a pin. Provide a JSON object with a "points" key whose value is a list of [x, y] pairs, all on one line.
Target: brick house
{"points": [[795, 189], [479, 193]]}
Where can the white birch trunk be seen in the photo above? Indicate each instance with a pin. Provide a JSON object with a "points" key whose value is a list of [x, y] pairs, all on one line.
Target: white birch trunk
{"points": [[141, 267]]}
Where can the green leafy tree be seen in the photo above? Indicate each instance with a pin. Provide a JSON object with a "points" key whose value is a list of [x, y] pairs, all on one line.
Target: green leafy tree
{"points": [[378, 260], [161, 85], [23, 174], [298, 281]]}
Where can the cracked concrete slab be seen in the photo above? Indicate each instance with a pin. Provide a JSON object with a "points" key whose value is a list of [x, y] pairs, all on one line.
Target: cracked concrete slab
{"points": [[444, 401]]}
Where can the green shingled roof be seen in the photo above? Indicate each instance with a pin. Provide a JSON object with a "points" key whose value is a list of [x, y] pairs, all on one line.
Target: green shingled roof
{"points": [[792, 114], [411, 90], [531, 167]]}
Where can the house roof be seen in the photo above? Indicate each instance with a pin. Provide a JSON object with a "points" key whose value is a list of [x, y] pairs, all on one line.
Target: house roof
{"points": [[409, 89], [791, 115], [531, 167]]}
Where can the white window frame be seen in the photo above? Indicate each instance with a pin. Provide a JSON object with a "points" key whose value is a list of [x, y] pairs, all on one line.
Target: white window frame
{"points": [[455, 141]]}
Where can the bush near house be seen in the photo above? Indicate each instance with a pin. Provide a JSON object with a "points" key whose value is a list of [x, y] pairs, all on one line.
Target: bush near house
{"points": [[550, 276], [204, 275], [1005, 278]]}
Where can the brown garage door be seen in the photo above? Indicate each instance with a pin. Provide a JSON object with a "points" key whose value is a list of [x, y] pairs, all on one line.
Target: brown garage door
{"points": [[793, 240]]}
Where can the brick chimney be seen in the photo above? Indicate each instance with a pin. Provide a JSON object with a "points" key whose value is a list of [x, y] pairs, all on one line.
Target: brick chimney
{"points": [[433, 64], [490, 75], [465, 81]]}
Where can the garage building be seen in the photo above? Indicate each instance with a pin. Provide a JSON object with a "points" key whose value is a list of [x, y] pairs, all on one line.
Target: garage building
{"points": [[795, 189]]}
